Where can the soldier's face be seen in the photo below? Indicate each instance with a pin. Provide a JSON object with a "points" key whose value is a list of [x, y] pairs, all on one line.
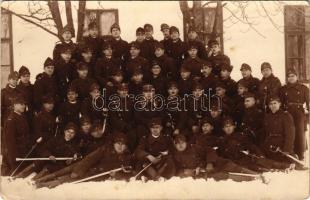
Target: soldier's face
{"points": [[159, 52], [206, 128], [86, 127], [192, 35], [292, 78], [87, 56], [95, 93], [246, 73], [229, 129], [225, 74], [49, 70], [69, 134], [185, 75], [25, 78], [72, 96], [206, 70], [241, 90], [148, 34], [137, 78], [108, 52], [274, 106], [174, 35], [118, 78], [66, 56], [119, 147], [180, 145], [82, 73], [266, 72], [192, 52], [122, 93], [220, 91], [115, 32], [215, 49], [19, 107], [93, 32], [197, 93], [166, 33], [215, 113], [140, 37], [67, 36], [249, 102], [148, 95], [13, 82], [156, 130], [97, 133], [48, 107], [156, 70], [134, 52], [173, 91]]}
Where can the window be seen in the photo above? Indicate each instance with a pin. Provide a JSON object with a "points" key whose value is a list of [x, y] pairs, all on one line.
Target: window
{"points": [[297, 40]]}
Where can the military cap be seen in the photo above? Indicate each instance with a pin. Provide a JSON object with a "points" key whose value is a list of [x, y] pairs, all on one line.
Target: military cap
{"points": [[85, 48], [228, 120], [185, 68], [18, 99], [207, 120], [137, 70], [23, 71], [265, 65], [97, 125], [192, 45], [115, 25], [227, 67], [107, 45], [92, 25], [67, 28], [122, 86], [249, 95], [164, 26], [65, 49], [173, 29], [14, 75], [245, 66], [148, 27], [85, 119], [197, 85], [82, 66], [148, 88], [116, 71], [48, 62], [179, 138], [119, 137], [72, 89], [172, 84], [212, 42], [135, 45], [291, 71], [93, 87], [48, 99], [220, 84], [243, 83], [155, 62], [215, 106], [140, 30], [191, 29], [274, 98], [206, 63], [159, 45], [71, 126], [155, 121]]}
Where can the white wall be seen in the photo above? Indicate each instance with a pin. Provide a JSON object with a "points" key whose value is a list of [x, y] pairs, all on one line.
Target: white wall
{"points": [[33, 45]]}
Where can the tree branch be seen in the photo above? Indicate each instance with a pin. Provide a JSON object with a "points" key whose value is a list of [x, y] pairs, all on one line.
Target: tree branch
{"points": [[81, 18], [54, 8]]}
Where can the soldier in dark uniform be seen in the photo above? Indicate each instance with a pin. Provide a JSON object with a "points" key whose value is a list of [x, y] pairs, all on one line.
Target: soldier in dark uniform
{"points": [[165, 29], [119, 46], [106, 65], [157, 79], [140, 37], [148, 44], [116, 79], [84, 134], [93, 40], [83, 82], [45, 84], [167, 64], [185, 82], [155, 148], [216, 115], [238, 109], [193, 39], [15, 136], [208, 80], [216, 57], [252, 119], [252, 82], [230, 84], [88, 58], [25, 88], [66, 42], [294, 95], [175, 46], [136, 61], [8, 94], [269, 85], [136, 82], [226, 102], [193, 61], [279, 131]]}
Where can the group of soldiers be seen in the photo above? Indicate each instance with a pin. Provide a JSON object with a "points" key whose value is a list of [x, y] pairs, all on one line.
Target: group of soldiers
{"points": [[177, 111]]}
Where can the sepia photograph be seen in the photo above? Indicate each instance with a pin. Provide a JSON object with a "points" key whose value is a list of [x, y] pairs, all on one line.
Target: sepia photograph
{"points": [[154, 100]]}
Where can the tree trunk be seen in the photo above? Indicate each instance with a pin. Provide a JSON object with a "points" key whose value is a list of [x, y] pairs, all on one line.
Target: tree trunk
{"points": [[69, 16], [81, 17], [54, 9], [215, 33]]}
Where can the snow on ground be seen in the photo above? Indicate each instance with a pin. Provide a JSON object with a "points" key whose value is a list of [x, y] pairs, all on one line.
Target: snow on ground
{"points": [[294, 185]]}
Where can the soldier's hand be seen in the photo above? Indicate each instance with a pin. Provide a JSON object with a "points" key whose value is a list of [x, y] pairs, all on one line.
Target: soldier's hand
{"points": [[154, 159], [176, 132], [74, 175], [209, 167], [197, 171], [110, 83], [112, 173], [52, 158], [75, 157], [195, 129]]}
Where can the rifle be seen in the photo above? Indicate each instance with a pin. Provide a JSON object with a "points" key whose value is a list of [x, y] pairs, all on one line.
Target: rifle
{"points": [[34, 159], [255, 176], [277, 149]]}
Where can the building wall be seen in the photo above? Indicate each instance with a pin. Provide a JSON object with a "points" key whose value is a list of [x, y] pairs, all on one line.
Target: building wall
{"points": [[242, 44]]}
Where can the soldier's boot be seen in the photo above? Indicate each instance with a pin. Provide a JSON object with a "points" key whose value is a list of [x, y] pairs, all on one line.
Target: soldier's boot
{"points": [[152, 173], [26, 172], [42, 173]]}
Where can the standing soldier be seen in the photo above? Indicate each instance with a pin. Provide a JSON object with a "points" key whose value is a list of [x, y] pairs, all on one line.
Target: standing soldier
{"points": [[93, 40], [269, 85], [185, 82], [148, 43], [45, 84], [193, 39], [119, 46], [208, 80], [193, 61], [252, 82], [230, 84], [7, 95], [157, 79], [294, 95], [15, 137], [165, 29], [88, 58]]}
